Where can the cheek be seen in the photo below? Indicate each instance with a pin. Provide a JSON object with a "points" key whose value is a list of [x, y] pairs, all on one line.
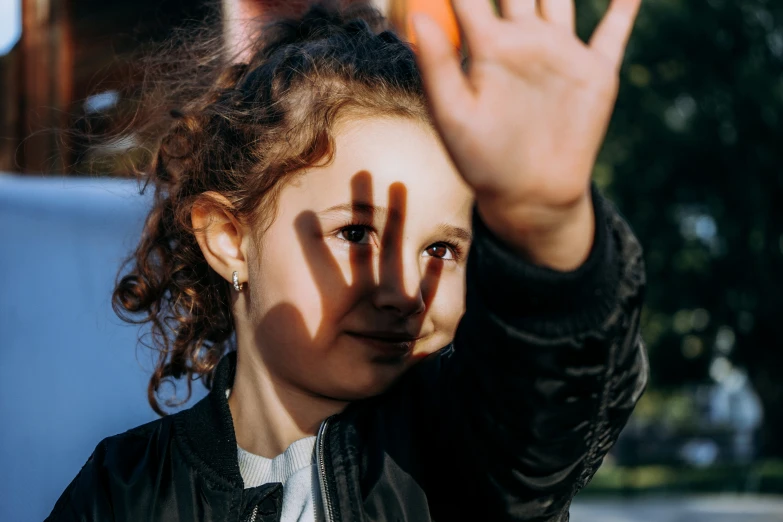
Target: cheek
{"points": [[283, 279], [285, 283], [448, 306]]}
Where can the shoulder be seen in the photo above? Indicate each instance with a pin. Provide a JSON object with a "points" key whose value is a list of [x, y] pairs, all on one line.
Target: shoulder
{"points": [[129, 449], [120, 463]]}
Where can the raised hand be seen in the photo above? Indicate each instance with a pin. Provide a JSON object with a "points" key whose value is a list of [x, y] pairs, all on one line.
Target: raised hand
{"points": [[525, 123]]}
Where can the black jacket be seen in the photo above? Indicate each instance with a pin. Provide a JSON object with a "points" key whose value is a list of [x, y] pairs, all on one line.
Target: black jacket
{"points": [[508, 423]]}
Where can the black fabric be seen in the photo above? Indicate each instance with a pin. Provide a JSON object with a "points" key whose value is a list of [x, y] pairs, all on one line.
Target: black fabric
{"points": [[508, 423], [551, 303], [207, 431]]}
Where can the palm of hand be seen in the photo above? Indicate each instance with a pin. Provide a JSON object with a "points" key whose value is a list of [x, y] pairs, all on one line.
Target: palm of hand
{"points": [[525, 123]]}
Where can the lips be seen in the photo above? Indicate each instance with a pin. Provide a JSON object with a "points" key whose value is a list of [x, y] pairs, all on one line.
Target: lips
{"points": [[387, 336], [389, 342]]}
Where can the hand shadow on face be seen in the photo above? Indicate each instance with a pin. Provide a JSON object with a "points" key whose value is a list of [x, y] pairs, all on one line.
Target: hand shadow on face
{"points": [[400, 309]]}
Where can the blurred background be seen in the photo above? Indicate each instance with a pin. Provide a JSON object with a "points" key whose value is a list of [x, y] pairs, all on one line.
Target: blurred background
{"points": [[693, 159]]}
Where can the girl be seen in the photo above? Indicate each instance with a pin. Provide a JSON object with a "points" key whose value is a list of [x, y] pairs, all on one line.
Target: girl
{"points": [[318, 207]]}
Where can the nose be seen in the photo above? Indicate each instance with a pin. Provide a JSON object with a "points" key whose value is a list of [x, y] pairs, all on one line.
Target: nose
{"points": [[399, 285], [399, 288]]}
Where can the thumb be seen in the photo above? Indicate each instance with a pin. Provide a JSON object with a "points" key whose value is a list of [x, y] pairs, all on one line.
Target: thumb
{"points": [[446, 85]]}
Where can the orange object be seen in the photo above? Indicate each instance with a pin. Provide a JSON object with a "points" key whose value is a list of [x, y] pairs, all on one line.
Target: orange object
{"points": [[440, 11]]}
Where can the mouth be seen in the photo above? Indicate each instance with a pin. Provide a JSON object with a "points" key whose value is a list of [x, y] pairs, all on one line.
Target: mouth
{"points": [[391, 343]]}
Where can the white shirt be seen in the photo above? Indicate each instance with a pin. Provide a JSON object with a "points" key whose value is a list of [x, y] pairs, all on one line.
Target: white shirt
{"points": [[296, 469]]}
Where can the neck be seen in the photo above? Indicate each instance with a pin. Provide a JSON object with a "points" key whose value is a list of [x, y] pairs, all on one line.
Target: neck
{"points": [[270, 414]]}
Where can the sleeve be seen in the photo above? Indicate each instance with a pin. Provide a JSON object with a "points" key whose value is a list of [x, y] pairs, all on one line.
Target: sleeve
{"points": [[545, 370]]}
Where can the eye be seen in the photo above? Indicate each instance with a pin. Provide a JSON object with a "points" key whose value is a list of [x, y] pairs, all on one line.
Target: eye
{"points": [[440, 251], [358, 234]]}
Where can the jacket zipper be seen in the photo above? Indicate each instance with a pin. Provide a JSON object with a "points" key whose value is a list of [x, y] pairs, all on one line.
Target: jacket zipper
{"points": [[319, 445]]}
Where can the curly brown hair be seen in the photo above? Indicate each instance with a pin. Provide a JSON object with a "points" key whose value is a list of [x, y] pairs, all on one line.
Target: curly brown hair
{"points": [[255, 125]]}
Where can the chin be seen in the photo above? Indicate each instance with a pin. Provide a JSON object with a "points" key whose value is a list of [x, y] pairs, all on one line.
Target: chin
{"points": [[371, 382], [380, 368]]}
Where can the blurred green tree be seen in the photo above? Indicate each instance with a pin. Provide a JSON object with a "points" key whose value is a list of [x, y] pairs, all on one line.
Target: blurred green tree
{"points": [[694, 160]]}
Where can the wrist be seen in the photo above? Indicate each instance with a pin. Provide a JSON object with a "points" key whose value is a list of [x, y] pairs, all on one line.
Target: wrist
{"points": [[560, 239]]}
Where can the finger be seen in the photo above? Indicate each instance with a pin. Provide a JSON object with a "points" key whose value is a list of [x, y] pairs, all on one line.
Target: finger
{"points": [[391, 270], [477, 20], [560, 13], [361, 257], [448, 90], [517, 9], [611, 36]]}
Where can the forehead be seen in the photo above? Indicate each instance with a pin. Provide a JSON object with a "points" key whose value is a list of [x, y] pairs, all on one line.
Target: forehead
{"points": [[373, 155]]}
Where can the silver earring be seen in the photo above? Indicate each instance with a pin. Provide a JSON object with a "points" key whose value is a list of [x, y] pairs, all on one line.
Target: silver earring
{"points": [[237, 285]]}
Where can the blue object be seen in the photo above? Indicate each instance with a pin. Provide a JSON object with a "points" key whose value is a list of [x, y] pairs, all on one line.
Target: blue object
{"points": [[71, 372]]}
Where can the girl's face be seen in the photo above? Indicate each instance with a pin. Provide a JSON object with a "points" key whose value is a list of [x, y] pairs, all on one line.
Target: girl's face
{"points": [[362, 273]]}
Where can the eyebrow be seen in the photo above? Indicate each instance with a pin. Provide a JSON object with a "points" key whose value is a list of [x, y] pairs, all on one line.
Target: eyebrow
{"points": [[373, 212]]}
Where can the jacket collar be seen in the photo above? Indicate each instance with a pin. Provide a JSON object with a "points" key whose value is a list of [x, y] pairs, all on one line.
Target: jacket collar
{"points": [[206, 431]]}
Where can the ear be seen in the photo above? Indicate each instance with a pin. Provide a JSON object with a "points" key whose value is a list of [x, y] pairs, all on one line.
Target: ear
{"points": [[221, 236]]}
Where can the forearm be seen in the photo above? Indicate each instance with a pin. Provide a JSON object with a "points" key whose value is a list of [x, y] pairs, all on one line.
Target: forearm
{"points": [[548, 364], [549, 303], [561, 240]]}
